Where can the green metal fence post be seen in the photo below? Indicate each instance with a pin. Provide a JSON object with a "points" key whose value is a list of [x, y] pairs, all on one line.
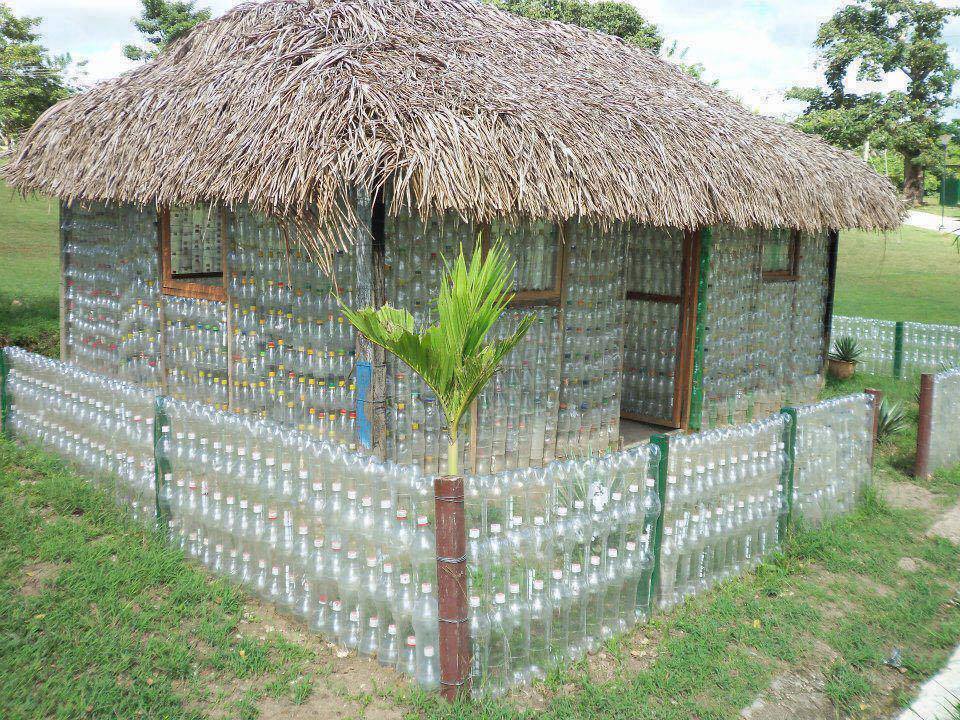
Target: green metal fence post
{"points": [[789, 471], [898, 351], [696, 392], [161, 463], [662, 443], [4, 400]]}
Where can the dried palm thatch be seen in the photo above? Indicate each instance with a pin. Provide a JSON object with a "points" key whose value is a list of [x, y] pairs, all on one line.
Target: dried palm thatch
{"points": [[288, 103]]}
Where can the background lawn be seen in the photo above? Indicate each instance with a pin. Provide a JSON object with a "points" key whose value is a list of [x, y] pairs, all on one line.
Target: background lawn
{"points": [[907, 274], [29, 270]]}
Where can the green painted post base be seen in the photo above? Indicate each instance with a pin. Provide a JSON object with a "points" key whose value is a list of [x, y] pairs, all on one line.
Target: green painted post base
{"points": [[784, 522], [4, 400], [898, 351], [662, 443]]}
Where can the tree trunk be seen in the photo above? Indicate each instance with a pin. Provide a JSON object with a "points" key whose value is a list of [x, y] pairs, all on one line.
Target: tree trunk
{"points": [[912, 179]]}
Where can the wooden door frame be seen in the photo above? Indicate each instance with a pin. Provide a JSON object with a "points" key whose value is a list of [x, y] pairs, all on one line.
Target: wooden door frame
{"points": [[683, 370]]}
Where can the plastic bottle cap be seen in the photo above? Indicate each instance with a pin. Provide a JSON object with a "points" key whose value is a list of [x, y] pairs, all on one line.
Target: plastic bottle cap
{"points": [[514, 588], [411, 641], [426, 588], [499, 598], [374, 621], [354, 616], [575, 568], [366, 502], [428, 651], [473, 533], [371, 562], [422, 520], [594, 560], [538, 520], [384, 504], [351, 494], [404, 578], [302, 474], [538, 584], [611, 552], [391, 629], [631, 545], [649, 482], [495, 528], [352, 554], [668, 531], [387, 568]]}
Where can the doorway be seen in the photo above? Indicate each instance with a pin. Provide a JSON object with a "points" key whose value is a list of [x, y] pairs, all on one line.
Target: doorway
{"points": [[661, 307]]}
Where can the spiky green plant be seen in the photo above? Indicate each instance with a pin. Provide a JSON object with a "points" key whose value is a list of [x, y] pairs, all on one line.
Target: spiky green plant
{"points": [[892, 420], [846, 349], [451, 355]]}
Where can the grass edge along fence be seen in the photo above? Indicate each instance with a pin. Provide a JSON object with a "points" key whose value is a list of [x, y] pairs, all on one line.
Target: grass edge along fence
{"points": [[586, 546], [900, 348], [938, 440]]}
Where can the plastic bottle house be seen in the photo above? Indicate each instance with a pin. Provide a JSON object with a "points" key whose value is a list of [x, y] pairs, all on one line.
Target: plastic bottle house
{"points": [[220, 202]]}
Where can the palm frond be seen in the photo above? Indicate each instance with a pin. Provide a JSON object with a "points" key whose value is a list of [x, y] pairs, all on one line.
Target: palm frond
{"points": [[451, 355]]}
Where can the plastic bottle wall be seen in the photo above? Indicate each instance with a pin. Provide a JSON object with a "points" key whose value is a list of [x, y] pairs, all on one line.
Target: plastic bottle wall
{"points": [[111, 291], [763, 346]]}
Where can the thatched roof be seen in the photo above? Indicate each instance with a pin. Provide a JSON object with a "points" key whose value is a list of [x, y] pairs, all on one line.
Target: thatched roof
{"points": [[286, 103]]}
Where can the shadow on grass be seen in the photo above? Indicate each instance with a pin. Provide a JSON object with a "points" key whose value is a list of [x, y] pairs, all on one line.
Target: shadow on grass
{"points": [[32, 324]]}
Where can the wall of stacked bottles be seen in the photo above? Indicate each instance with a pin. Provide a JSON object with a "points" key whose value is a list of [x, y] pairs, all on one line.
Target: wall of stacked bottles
{"points": [[101, 424], [293, 350], [763, 345], [342, 542], [528, 414], [945, 409], [834, 446], [111, 291], [654, 266], [588, 419], [889, 347], [559, 559], [723, 503]]}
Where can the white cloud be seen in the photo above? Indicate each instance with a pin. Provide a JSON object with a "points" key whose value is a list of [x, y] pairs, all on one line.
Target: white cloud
{"points": [[756, 49]]}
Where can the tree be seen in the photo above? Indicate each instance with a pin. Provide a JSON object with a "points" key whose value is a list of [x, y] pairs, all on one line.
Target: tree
{"points": [[162, 22], [451, 356], [31, 80], [875, 40], [614, 18]]}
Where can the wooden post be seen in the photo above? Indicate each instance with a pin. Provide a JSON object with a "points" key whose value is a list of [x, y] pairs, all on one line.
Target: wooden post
{"points": [[921, 467], [833, 243], [877, 399], [454, 620]]}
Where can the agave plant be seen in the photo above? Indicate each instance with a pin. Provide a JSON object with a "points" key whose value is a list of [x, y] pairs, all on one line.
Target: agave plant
{"points": [[452, 356], [846, 349], [891, 421]]}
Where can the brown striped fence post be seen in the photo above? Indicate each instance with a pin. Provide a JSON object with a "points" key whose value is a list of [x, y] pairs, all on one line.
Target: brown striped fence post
{"points": [[455, 658], [921, 466]]}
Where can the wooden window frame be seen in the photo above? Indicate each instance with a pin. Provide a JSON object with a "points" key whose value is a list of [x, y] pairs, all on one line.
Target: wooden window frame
{"points": [[185, 287], [537, 298], [791, 275]]}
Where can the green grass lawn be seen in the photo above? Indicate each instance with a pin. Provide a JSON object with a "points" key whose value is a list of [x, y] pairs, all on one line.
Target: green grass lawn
{"points": [[907, 274], [29, 270]]}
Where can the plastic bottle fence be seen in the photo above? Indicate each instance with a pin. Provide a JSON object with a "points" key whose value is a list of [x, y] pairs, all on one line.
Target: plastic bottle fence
{"points": [[900, 348], [559, 558]]}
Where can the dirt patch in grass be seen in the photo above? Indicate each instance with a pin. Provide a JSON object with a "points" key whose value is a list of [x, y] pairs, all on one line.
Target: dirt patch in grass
{"points": [[36, 575], [907, 496], [909, 564], [799, 694], [947, 525]]}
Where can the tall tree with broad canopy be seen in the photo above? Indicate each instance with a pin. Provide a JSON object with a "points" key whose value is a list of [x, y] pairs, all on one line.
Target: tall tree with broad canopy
{"points": [[877, 40], [31, 80], [162, 22]]}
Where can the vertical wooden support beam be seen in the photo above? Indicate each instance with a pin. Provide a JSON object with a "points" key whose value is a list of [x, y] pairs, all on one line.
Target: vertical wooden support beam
{"points": [[690, 282], [833, 246], [921, 466], [225, 247], [877, 396], [370, 291], [453, 616], [696, 392], [161, 315], [65, 223]]}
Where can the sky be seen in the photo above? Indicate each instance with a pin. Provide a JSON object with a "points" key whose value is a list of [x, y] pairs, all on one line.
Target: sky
{"points": [[755, 49]]}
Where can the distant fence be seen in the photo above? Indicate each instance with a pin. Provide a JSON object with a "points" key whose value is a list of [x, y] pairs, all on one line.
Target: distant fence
{"points": [[900, 348], [938, 431], [481, 581]]}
